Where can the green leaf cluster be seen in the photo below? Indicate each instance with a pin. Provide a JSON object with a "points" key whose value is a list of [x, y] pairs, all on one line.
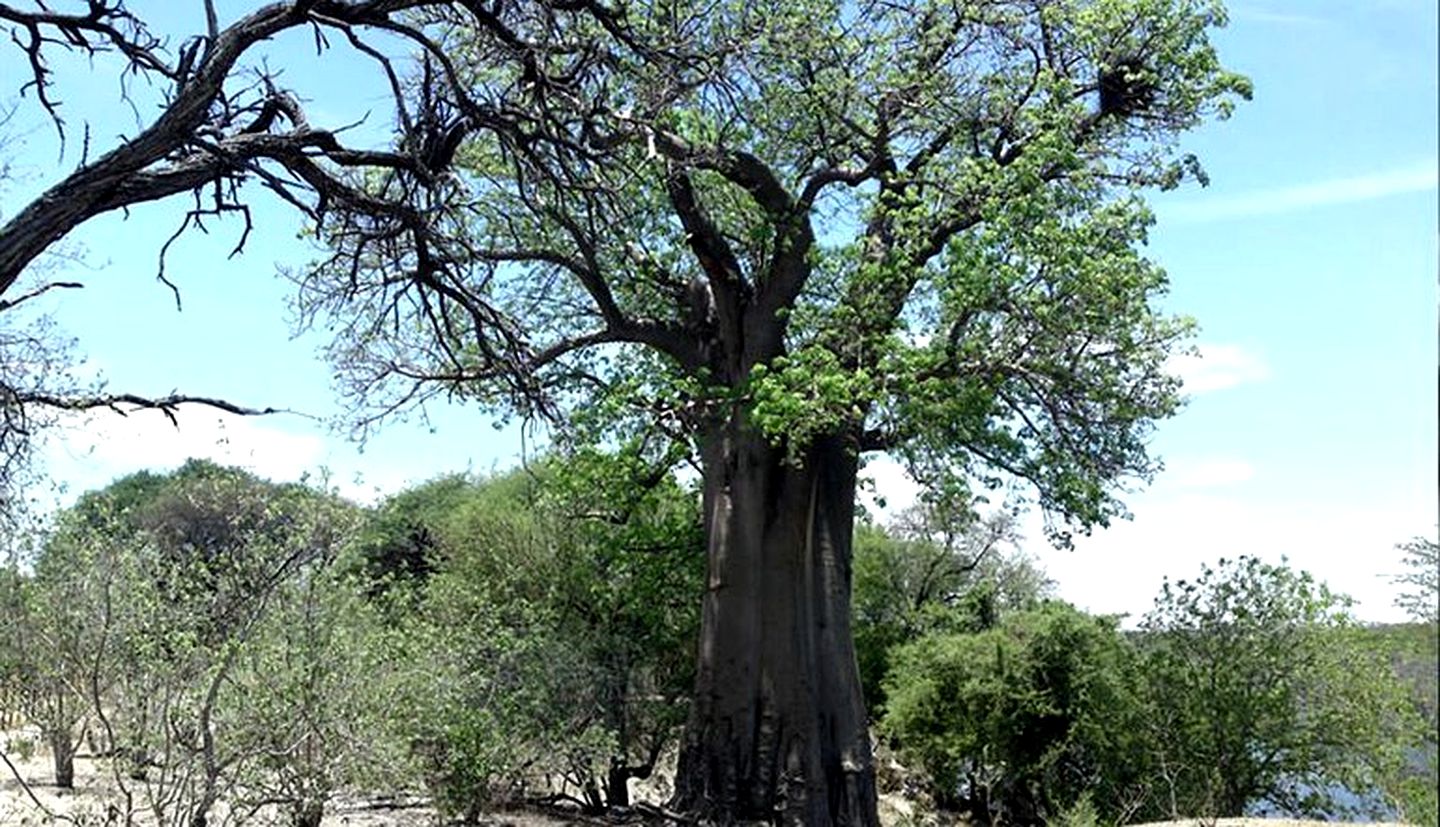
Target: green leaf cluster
{"points": [[916, 227], [555, 634], [1270, 694], [933, 571], [1017, 722], [1247, 689]]}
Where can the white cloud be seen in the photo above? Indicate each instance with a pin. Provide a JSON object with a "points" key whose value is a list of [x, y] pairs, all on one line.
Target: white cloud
{"points": [[1215, 367], [1419, 177], [88, 451], [1120, 570]]}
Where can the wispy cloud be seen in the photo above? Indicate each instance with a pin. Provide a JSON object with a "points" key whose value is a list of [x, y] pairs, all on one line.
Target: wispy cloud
{"points": [[1214, 367], [90, 450], [1419, 177]]}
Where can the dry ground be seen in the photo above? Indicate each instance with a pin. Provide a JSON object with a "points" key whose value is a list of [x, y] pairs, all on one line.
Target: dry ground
{"points": [[86, 803]]}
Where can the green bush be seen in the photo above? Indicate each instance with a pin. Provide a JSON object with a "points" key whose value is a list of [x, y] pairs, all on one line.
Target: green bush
{"points": [[1022, 722], [555, 637], [1267, 692], [933, 571]]}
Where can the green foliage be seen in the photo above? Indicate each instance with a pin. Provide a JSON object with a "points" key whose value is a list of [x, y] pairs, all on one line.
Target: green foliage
{"points": [[1248, 687], [12, 649], [184, 587], [1267, 693], [917, 222], [931, 571], [1421, 598], [397, 545], [557, 633], [311, 696], [485, 701], [227, 638], [1415, 656], [64, 632], [1023, 722], [761, 236]]}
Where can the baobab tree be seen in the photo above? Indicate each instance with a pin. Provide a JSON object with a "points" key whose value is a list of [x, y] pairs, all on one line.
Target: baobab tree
{"points": [[770, 238], [783, 237]]}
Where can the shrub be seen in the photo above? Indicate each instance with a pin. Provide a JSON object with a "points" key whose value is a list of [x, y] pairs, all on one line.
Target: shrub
{"points": [[1020, 722], [1271, 695]]}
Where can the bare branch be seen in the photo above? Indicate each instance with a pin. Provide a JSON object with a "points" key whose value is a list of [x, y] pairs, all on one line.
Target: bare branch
{"points": [[6, 304], [50, 814], [127, 403], [137, 170]]}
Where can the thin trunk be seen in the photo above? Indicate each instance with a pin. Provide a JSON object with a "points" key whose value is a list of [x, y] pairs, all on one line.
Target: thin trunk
{"points": [[62, 749], [308, 813], [778, 730], [617, 786], [210, 763]]}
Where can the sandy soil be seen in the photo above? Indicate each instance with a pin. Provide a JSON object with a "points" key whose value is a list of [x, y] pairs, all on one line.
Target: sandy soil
{"points": [[86, 804]]}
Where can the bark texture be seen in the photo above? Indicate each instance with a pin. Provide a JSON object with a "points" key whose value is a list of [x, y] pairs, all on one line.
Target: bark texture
{"points": [[778, 731], [62, 748]]}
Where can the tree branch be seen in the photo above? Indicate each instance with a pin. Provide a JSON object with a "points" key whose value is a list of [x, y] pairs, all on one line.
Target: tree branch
{"points": [[127, 403], [6, 304], [119, 178]]}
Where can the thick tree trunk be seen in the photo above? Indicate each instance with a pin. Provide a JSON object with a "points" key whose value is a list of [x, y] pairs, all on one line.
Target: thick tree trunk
{"points": [[777, 732]]}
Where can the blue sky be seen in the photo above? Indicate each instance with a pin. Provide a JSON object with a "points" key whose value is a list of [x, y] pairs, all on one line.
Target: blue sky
{"points": [[1310, 264]]}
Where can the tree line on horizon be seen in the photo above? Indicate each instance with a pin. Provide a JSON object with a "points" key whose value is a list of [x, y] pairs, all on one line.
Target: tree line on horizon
{"points": [[231, 650]]}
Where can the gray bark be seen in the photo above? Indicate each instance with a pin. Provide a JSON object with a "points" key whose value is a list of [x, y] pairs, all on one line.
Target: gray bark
{"points": [[62, 749], [778, 730]]}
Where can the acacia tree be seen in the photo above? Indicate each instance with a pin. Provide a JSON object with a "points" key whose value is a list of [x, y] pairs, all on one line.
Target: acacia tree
{"points": [[781, 237], [786, 237]]}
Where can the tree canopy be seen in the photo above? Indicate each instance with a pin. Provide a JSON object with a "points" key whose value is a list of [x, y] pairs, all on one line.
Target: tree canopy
{"points": [[771, 240], [917, 221], [1421, 596], [1267, 691]]}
